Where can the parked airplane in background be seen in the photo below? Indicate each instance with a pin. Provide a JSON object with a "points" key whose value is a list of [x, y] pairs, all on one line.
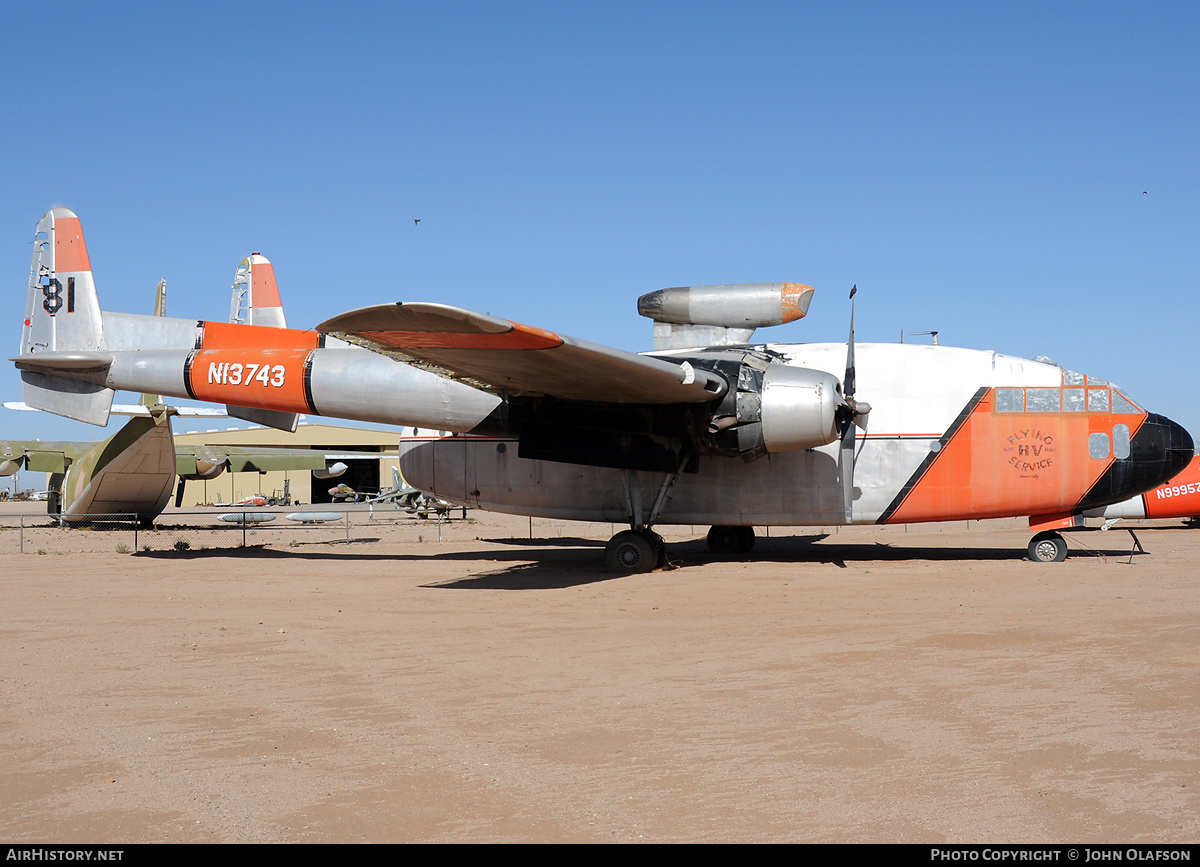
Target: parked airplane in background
{"points": [[706, 430], [133, 471], [1178, 498], [405, 496]]}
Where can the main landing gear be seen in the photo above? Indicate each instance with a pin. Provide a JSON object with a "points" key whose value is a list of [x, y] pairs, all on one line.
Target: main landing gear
{"points": [[643, 550], [727, 541], [639, 549], [633, 551], [1048, 547]]}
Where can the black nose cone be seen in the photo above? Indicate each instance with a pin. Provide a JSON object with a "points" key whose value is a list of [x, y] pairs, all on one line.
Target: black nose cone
{"points": [[1158, 452], [1169, 440]]}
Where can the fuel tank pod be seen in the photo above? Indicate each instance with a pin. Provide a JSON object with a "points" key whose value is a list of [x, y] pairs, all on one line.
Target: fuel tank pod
{"points": [[745, 305]]}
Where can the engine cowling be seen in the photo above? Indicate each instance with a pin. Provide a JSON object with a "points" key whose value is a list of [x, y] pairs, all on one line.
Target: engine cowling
{"points": [[774, 408], [205, 469], [799, 408]]}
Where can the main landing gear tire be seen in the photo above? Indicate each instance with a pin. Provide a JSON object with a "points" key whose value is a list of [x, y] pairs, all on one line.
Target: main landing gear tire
{"points": [[725, 541], [1048, 547], [633, 551]]}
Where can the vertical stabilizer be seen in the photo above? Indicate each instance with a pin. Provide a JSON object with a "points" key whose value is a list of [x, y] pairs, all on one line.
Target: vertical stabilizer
{"points": [[256, 294], [160, 309], [256, 302], [62, 314]]}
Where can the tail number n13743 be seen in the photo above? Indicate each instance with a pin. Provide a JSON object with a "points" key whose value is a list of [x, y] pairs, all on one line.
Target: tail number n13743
{"points": [[236, 373]]}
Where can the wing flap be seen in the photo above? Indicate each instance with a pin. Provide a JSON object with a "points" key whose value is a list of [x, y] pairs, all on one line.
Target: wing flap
{"points": [[506, 357]]}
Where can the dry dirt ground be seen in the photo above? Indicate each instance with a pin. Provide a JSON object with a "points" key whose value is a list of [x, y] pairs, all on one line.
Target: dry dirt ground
{"points": [[867, 685]]}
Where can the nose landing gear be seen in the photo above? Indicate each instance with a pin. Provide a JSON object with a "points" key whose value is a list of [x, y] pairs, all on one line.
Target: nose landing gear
{"points": [[1048, 547]]}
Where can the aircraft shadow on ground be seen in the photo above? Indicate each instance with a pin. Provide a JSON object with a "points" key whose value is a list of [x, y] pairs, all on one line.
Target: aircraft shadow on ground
{"points": [[543, 564]]}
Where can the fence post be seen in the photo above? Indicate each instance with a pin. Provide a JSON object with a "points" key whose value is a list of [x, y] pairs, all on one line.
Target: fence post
{"points": [[22, 534], [346, 515], [135, 529]]}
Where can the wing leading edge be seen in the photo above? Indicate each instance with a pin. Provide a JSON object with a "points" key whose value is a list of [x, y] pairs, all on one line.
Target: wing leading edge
{"points": [[509, 358]]}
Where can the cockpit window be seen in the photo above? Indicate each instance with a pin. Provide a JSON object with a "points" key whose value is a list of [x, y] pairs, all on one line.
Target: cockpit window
{"points": [[1010, 400], [1120, 403], [1042, 399], [1097, 400]]}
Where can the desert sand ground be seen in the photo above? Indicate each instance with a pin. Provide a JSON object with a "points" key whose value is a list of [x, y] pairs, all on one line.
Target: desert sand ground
{"points": [[873, 684]]}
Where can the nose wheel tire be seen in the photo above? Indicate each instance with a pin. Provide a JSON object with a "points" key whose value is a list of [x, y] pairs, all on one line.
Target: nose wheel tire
{"points": [[633, 551], [725, 541], [1048, 547]]}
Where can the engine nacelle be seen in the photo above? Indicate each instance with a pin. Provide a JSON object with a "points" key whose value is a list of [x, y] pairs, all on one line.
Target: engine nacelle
{"points": [[205, 470], [8, 467], [331, 471], [799, 408], [771, 407]]}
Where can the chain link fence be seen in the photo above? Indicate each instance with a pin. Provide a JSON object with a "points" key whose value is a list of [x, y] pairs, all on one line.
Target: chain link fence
{"points": [[199, 530]]}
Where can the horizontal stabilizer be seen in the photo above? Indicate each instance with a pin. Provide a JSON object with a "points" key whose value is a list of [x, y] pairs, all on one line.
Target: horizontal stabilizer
{"points": [[82, 401], [63, 361], [137, 409], [506, 357]]}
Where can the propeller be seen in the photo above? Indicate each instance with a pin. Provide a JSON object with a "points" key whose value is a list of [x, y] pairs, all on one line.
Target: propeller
{"points": [[179, 492], [851, 413]]}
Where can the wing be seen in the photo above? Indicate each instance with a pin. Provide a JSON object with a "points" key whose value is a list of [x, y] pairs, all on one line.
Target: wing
{"points": [[242, 459], [512, 359], [38, 456]]}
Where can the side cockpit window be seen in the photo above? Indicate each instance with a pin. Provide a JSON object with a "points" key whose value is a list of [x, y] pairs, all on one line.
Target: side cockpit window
{"points": [[1120, 441]]}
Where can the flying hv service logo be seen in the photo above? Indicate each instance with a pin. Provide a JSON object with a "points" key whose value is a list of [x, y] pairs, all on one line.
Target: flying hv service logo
{"points": [[1030, 452]]}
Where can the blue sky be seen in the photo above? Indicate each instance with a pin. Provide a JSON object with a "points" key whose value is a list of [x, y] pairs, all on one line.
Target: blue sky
{"points": [[975, 168]]}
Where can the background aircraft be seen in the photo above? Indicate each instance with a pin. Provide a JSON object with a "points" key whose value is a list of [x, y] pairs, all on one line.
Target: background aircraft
{"points": [[133, 471], [707, 429], [1179, 497], [405, 496]]}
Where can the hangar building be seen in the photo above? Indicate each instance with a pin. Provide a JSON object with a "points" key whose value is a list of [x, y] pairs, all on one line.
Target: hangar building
{"points": [[365, 475]]}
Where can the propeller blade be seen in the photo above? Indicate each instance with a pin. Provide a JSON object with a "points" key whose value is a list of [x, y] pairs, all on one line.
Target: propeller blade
{"points": [[848, 380], [846, 465], [847, 419], [179, 493]]}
